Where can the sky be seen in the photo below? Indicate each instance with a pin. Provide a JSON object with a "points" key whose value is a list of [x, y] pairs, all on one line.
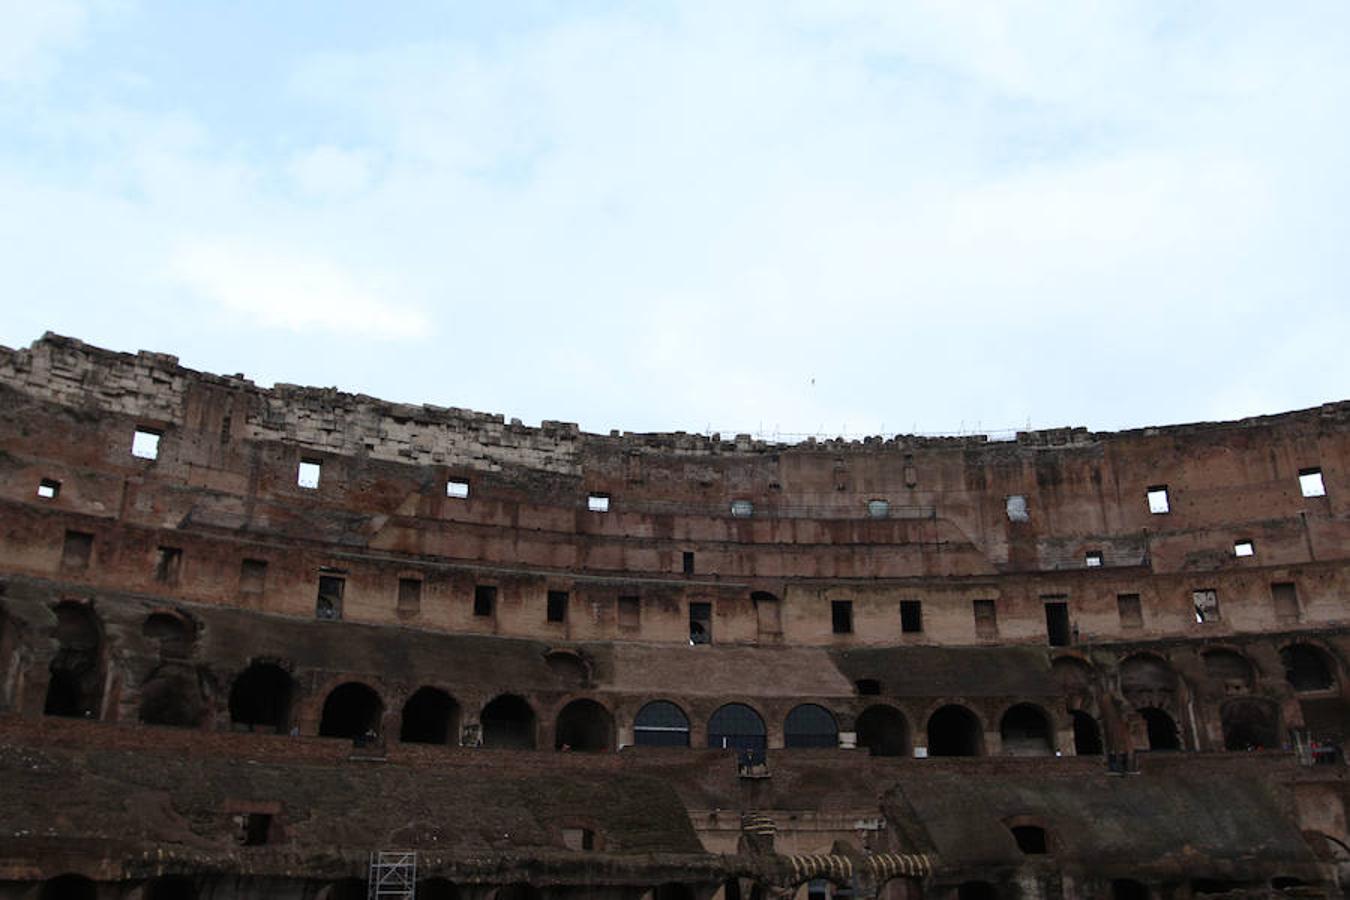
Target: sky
{"points": [[780, 218]]}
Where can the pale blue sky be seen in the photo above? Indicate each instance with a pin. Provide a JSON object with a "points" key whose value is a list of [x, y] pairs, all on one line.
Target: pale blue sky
{"points": [[782, 217]]}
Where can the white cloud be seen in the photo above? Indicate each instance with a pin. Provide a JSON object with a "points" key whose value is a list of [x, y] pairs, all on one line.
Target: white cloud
{"points": [[33, 33], [327, 171]]}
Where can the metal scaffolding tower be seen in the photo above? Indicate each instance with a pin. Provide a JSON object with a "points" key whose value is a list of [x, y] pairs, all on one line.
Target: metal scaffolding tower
{"points": [[393, 875]]}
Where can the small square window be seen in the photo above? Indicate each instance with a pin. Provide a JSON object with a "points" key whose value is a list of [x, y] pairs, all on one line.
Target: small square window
{"points": [[557, 606], [841, 616], [911, 616], [145, 444], [742, 509], [700, 623], [598, 503], [1016, 506], [878, 509], [167, 566], [484, 599], [1131, 611], [308, 475], [48, 488], [1093, 559], [1244, 548], [1206, 602], [1158, 501], [457, 489], [252, 576], [687, 563], [75, 553], [1310, 483]]}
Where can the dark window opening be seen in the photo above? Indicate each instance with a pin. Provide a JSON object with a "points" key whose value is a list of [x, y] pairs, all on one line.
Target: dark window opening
{"points": [[867, 687], [1285, 597], [68, 887], [1025, 731], [171, 887], [1057, 623], [700, 623], [353, 710], [841, 616], [168, 564], [1030, 839], [688, 562], [1162, 731], [661, 723], [261, 698], [818, 889], [954, 731], [557, 606], [911, 616], [255, 829], [1249, 725], [409, 597], [75, 553], [883, 731], [578, 839], [430, 716], [1306, 668], [736, 726], [1087, 736], [986, 619], [328, 603], [225, 426], [508, 722], [484, 599], [173, 696], [810, 725], [252, 576], [49, 488], [630, 612], [75, 685], [175, 634], [584, 726], [1131, 611]]}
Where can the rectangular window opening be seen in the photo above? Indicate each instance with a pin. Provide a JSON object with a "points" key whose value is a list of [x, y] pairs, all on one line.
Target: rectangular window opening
{"points": [[598, 503], [1093, 559], [687, 564], [328, 602], [145, 443], [308, 475], [48, 488], [167, 565], [878, 509], [459, 490], [409, 597], [252, 576], [1244, 548], [1131, 611], [841, 616], [630, 613], [75, 552], [1159, 503], [1057, 622], [484, 599], [1285, 597], [700, 623], [257, 829], [557, 606], [986, 619], [742, 509], [1016, 505], [1310, 483], [1206, 602], [911, 616]]}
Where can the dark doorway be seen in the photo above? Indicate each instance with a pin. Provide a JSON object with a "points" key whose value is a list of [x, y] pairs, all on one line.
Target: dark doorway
{"points": [[352, 710], [1057, 623], [75, 685], [430, 716], [68, 887], [508, 723], [1128, 889], [1162, 731], [585, 726], [1250, 725], [437, 889], [1306, 668], [810, 725], [261, 698], [883, 731], [1025, 731], [1087, 735], [954, 731], [976, 890], [173, 887]]}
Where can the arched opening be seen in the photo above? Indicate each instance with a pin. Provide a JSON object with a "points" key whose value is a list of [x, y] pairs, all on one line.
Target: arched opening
{"points": [[75, 686], [673, 890], [518, 891], [954, 731], [1128, 889], [1147, 680], [68, 887], [170, 887], [661, 723], [585, 726], [174, 633], [1162, 731], [261, 698], [1031, 839], [1249, 725], [1229, 668], [1306, 668], [173, 696], [1087, 735], [736, 726], [430, 716], [346, 889], [508, 723], [1025, 730], [568, 668], [810, 725], [352, 710], [883, 731], [1073, 675], [437, 889], [976, 890]]}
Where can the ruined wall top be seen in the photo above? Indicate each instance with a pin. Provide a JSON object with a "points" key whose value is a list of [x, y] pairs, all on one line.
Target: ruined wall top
{"points": [[154, 387]]}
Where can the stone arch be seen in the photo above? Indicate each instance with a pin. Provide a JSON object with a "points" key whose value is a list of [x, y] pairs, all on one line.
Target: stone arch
{"points": [[810, 725], [954, 730], [1072, 673], [1026, 730], [1250, 724], [430, 716], [1161, 728], [883, 730], [508, 722], [172, 695], [1148, 680], [175, 633], [68, 887], [737, 726], [1229, 668], [569, 667], [1087, 734], [75, 683], [351, 710], [261, 697], [584, 725], [1308, 668], [661, 723], [170, 887]]}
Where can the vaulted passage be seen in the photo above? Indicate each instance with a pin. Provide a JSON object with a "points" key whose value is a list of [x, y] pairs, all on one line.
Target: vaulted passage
{"points": [[584, 725], [75, 685], [261, 698], [431, 716], [68, 887], [810, 725], [661, 724], [509, 723], [954, 731], [351, 710], [883, 731], [1025, 731], [1087, 735], [1162, 731]]}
